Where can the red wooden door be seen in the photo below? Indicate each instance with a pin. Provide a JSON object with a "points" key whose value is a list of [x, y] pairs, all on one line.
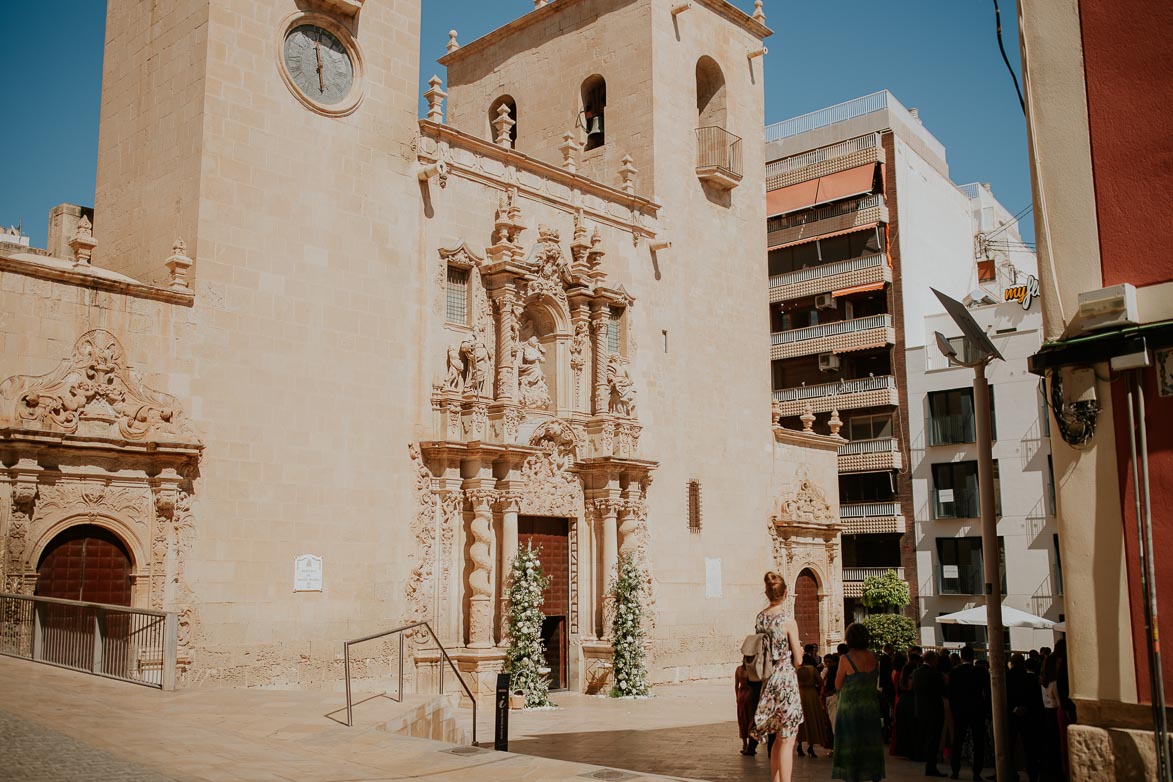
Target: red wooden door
{"points": [[806, 608], [85, 563]]}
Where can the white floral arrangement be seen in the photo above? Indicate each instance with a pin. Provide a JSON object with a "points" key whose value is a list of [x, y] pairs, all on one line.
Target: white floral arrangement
{"points": [[525, 660], [627, 632]]}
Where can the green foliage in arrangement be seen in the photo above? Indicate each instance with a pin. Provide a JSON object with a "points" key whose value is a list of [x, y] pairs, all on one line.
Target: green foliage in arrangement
{"points": [[527, 654], [896, 629], [627, 632], [885, 593]]}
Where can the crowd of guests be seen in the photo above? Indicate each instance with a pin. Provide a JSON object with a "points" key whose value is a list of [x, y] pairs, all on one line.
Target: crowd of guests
{"points": [[925, 706]]}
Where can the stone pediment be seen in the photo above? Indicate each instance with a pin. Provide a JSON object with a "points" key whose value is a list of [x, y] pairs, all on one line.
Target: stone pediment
{"points": [[93, 393], [806, 505]]}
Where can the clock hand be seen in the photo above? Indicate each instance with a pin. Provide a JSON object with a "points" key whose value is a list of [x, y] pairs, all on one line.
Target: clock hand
{"points": [[318, 54]]}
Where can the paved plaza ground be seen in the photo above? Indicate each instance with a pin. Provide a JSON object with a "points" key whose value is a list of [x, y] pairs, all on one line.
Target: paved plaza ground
{"points": [[61, 725]]}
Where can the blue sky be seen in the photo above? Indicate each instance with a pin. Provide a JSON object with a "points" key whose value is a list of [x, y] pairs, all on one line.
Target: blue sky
{"points": [[940, 56]]}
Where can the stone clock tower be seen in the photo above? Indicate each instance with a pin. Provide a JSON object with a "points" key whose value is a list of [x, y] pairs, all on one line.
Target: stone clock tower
{"points": [[219, 126]]}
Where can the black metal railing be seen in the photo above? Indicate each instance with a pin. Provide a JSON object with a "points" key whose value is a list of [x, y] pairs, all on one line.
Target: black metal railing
{"points": [[720, 149], [135, 645], [400, 631]]}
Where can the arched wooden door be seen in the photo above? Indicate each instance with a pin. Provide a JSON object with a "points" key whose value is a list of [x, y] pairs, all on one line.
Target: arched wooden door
{"points": [[806, 607], [86, 563], [91, 564]]}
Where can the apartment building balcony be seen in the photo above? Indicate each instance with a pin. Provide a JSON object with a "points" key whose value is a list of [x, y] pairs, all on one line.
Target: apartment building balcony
{"points": [[718, 158], [832, 220], [825, 161], [843, 395], [853, 578], [836, 278], [867, 518], [844, 336], [871, 455]]}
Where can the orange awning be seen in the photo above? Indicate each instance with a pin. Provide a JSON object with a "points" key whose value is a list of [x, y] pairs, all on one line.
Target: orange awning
{"points": [[791, 198], [871, 286], [845, 184], [833, 187]]}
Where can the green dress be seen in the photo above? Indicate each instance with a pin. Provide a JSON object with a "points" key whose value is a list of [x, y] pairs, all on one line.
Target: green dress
{"points": [[859, 748]]}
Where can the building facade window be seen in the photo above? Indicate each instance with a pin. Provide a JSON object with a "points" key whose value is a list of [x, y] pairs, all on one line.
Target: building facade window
{"points": [[956, 494], [951, 417], [694, 506], [457, 300], [869, 427], [615, 330], [959, 570]]}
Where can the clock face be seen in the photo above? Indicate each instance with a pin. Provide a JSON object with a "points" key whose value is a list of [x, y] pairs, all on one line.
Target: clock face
{"points": [[319, 64]]}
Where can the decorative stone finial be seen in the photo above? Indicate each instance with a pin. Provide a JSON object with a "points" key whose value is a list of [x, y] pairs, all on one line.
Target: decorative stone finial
{"points": [[435, 97], [179, 264], [504, 123], [807, 418], [83, 242], [569, 149], [452, 44], [627, 173], [835, 423], [759, 13]]}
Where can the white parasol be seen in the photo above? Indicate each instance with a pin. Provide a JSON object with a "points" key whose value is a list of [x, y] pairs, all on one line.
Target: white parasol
{"points": [[1011, 617]]}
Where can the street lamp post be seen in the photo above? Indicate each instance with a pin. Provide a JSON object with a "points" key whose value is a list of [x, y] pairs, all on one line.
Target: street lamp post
{"points": [[980, 352]]}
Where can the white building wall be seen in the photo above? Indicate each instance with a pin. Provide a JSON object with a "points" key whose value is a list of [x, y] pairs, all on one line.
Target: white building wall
{"points": [[935, 237], [1027, 525]]}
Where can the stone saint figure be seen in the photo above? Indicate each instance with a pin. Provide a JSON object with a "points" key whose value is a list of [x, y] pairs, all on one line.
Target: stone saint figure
{"points": [[455, 379], [622, 388], [534, 391]]}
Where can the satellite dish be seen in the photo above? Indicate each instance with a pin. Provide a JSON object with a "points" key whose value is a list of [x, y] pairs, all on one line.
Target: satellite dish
{"points": [[979, 342]]}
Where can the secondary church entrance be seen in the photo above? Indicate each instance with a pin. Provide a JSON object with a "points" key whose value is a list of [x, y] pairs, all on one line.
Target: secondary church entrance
{"points": [[91, 564], [806, 607], [551, 538]]}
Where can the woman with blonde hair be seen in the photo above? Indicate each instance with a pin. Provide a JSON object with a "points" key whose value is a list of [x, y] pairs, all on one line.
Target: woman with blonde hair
{"points": [[779, 709]]}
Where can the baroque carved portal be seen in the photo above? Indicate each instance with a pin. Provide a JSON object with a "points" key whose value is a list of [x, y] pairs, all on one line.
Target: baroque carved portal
{"points": [[94, 393]]}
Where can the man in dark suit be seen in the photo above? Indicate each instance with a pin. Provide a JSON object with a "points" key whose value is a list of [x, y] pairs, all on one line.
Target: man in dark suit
{"points": [[969, 700], [1024, 698], [928, 691]]}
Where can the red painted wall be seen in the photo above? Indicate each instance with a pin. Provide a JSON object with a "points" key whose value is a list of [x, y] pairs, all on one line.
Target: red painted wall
{"points": [[1158, 412], [1127, 50]]}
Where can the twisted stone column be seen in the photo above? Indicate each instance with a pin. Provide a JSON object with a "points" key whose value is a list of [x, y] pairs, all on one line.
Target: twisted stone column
{"points": [[480, 581], [599, 328]]}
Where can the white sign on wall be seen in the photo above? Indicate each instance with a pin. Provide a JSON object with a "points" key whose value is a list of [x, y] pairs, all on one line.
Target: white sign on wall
{"points": [[307, 573], [712, 577], [949, 571], [945, 495]]}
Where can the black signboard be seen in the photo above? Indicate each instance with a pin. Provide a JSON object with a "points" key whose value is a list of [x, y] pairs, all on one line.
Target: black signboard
{"points": [[501, 722]]}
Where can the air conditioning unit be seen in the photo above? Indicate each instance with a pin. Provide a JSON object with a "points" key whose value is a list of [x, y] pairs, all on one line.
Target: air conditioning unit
{"points": [[825, 302], [828, 362]]}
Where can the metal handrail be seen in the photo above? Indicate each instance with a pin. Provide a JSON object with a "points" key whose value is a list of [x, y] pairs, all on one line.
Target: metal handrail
{"points": [[857, 386], [401, 630], [831, 329], [830, 152], [827, 270]]}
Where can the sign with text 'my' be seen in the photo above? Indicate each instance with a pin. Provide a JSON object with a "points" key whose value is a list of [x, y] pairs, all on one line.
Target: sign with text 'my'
{"points": [[1024, 294]]}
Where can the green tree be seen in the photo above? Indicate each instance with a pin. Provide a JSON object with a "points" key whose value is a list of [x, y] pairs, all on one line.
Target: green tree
{"points": [[526, 655], [627, 632], [886, 593], [896, 629]]}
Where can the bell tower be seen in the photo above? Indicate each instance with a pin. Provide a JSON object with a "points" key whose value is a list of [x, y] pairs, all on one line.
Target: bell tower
{"points": [[252, 129]]}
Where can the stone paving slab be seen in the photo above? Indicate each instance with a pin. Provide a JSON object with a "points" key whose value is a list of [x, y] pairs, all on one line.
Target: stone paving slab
{"points": [[91, 728]]}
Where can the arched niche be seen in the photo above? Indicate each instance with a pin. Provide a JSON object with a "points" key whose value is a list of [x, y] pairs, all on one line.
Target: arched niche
{"points": [[594, 108], [494, 109], [712, 111], [546, 320]]}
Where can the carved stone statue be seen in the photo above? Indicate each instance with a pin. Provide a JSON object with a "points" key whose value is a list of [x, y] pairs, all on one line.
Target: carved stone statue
{"points": [[476, 356], [531, 380], [622, 388], [455, 379]]}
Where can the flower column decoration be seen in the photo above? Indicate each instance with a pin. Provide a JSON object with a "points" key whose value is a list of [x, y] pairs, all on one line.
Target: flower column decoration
{"points": [[627, 631], [526, 656]]}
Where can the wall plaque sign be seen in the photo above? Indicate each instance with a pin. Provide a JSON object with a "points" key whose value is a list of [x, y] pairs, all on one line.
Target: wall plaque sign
{"points": [[307, 573], [712, 577], [949, 571]]}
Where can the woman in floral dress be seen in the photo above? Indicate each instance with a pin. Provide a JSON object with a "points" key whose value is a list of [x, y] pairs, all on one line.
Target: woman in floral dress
{"points": [[780, 706]]}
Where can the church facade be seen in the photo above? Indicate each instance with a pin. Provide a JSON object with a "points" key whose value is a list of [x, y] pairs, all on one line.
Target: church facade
{"points": [[302, 321]]}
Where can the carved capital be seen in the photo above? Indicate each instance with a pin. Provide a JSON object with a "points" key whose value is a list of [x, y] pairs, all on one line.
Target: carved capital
{"points": [[481, 500], [24, 496], [608, 506], [508, 502]]}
